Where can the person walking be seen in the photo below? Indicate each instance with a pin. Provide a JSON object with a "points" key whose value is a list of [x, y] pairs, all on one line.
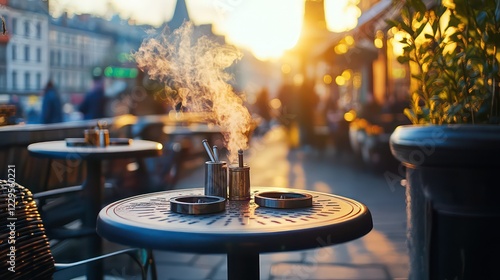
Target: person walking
{"points": [[94, 103], [287, 94], [263, 111], [51, 105], [308, 101]]}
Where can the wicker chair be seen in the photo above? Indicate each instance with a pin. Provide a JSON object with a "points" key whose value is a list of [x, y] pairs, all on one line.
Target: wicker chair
{"points": [[31, 254]]}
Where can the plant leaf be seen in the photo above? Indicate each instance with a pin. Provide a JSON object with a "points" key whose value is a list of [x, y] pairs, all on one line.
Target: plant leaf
{"points": [[403, 59], [392, 23], [419, 6]]}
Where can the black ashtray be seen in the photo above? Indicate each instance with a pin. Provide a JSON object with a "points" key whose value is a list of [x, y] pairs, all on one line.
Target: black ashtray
{"points": [[283, 200], [197, 204], [80, 142], [76, 142]]}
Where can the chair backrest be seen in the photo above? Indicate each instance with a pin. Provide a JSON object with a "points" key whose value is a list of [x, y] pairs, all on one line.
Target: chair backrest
{"points": [[22, 236]]}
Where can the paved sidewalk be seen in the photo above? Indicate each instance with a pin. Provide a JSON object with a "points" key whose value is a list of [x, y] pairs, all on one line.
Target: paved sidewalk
{"points": [[381, 254]]}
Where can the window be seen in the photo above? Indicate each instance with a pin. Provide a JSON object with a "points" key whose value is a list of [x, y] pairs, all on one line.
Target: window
{"points": [[65, 77], [14, 26], [27, 78], [38, 81], [38, 54], [3, 53], [3, 80], [14, 80], [14, 52], [38, 30], [66, 60], [52, 58], [27, 28], [58, 78], [26, 53]]}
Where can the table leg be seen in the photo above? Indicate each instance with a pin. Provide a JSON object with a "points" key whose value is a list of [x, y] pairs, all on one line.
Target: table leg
{"points": [[243, 266], [92, 191]]}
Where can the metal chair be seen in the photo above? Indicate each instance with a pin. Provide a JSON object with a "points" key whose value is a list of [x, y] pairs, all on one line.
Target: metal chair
{"points": [[59, 207], [24, 242]]}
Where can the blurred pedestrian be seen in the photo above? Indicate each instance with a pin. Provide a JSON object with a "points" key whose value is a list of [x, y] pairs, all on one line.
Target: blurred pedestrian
{"points": [[262, 104], [288, 112], [263, 111], [337, 125], [308, 100], [370, 109], [94, 103], [19, 109], [51, 105]]}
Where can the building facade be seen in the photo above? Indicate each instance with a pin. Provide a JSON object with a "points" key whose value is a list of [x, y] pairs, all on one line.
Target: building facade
{"points": [[37, 47], [74, 53], [24, 52]]}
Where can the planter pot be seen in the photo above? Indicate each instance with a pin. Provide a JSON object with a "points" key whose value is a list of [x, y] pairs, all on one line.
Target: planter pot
{"points": [[452, 199]]}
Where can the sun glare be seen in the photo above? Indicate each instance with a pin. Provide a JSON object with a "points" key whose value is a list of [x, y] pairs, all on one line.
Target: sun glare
{"points": [[341, 15], [267, 28], [153, 12]]}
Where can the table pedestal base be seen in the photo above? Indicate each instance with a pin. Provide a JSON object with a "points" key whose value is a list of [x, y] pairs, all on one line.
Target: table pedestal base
{"points": [[243, 266], [92, 191]]}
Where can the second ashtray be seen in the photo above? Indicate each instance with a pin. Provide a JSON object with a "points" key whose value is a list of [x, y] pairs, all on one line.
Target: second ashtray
{"points": [[283, 200], [197, 204]]}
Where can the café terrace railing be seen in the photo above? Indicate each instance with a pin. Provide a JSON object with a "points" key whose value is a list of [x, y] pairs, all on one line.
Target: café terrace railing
{"points": [[44, 174]]}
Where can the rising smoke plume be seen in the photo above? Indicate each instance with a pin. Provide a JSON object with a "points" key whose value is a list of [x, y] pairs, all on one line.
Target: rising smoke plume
{"points": [[194, 69]]}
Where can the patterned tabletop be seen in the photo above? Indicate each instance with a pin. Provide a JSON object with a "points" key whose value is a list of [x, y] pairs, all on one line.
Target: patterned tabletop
{"points": [[146, 220]]}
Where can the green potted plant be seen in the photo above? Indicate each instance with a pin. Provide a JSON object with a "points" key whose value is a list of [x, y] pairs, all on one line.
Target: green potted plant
{"points": [[452, 150]]}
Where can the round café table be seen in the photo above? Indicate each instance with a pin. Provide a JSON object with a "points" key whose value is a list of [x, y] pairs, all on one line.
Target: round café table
{"points": [[93, 156], [242, 231]]}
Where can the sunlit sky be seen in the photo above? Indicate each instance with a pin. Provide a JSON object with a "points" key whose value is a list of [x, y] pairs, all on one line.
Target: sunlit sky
{"points": [[265, 27]]}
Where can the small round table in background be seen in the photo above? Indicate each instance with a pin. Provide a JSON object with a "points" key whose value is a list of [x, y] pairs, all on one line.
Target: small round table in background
{"points": [[242, 231], [92, 156]]}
